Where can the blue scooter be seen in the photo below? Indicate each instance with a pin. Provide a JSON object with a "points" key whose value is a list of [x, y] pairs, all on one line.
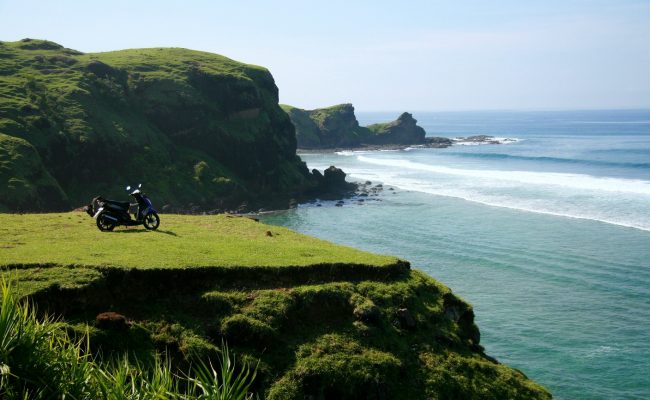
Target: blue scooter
{"points": [[111, 213]]}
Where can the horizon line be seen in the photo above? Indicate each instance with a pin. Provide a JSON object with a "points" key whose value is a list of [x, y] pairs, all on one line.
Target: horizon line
{"points": [[506, 110]]}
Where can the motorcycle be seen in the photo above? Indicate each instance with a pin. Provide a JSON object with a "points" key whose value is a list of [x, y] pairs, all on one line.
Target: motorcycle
{"points": [[111, 213]]}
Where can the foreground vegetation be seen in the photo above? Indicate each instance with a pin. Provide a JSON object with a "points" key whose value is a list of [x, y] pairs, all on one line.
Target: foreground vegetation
{"points": [[350, 326], [40, 360]]}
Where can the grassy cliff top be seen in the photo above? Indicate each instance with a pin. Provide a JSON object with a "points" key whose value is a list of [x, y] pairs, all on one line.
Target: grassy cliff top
{"points": [[181, 242], [319, 320]]}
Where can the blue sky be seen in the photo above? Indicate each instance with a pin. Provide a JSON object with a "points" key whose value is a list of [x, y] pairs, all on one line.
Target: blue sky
{"points": [[382, 55]]}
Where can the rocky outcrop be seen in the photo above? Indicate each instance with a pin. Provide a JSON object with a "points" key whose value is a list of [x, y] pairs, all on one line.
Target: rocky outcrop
{"points": [[330, 127], [337, 127], [404, 130], [331, 184]]}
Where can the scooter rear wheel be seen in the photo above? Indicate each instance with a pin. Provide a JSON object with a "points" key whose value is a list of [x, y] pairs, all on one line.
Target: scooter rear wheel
{"points": [[104, 225], [151, 221]]}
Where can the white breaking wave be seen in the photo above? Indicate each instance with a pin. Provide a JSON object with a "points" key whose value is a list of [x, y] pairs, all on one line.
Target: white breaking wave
{"points": [[349, 153], [460, 141], [573, 181], [610, 200]]}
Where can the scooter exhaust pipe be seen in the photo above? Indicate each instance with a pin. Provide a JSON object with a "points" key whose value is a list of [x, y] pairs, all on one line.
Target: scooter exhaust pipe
{"points": [[109, 217]]}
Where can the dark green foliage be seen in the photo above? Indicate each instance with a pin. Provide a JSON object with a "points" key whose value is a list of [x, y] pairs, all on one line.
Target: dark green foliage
{"points": [[317, 336], [40, 359], [25, 183], [243, 329], [194, 127]]}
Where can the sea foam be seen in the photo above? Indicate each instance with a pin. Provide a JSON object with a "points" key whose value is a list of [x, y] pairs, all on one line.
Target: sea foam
{"points": [[559, 194], [574, 181]]}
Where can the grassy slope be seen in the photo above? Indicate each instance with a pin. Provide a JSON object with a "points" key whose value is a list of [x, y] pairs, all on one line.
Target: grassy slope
{"points": [[201, 126], [332, 332], [380, 128], [182, 241]]}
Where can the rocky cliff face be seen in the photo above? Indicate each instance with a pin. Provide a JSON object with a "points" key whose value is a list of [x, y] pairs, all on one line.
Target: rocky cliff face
{"points": [[197, 129], [337, 127]]}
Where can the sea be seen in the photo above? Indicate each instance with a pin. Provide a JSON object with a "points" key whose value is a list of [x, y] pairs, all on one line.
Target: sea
{"points": [[546, 235]]}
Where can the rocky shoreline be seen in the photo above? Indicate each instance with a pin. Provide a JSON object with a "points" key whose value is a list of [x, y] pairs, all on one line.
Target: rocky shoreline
{"points": [[330, 184], [430, 143]]}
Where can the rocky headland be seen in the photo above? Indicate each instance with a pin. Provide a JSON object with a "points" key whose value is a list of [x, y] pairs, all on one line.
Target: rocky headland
{"points": [[337, 128]]}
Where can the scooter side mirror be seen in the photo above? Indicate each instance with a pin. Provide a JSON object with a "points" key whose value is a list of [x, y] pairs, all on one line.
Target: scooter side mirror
{"points": [[128, 188]]}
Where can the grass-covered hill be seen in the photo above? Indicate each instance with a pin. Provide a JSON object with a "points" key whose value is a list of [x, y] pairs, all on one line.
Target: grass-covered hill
{"points": [[337, 127], [330, 127], [202, 129], [324, 321]]}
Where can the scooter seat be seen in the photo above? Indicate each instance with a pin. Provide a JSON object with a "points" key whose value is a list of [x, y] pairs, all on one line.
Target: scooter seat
{"points": [[120, 205]]}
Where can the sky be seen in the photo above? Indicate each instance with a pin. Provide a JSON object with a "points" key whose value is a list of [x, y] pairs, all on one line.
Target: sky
{"points": [[384, 55]]}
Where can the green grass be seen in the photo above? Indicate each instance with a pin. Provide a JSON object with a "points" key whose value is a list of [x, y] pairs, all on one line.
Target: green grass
{"points": [[40, 359], [380, 128], [182, 241]]}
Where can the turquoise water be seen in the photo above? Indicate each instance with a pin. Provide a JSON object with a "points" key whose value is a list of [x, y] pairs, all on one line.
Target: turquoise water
{"points": [[548, 237]]}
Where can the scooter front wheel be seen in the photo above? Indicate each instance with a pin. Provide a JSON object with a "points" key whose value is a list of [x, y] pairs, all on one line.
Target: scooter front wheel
{"points": [[104, 225], [151, 221]]}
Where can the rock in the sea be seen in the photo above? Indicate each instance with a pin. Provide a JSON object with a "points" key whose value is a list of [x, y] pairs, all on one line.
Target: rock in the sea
{"points": [[438, 142], [331, 184], [404, 130], [337, 127]]}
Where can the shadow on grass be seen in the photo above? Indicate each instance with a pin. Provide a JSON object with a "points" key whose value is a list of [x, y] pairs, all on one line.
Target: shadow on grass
{"points": [[145, 230]]}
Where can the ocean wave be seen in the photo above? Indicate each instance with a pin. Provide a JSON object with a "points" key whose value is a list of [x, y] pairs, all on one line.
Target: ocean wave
{"points": [[349, 153], [502, 156], [642, 122], [511, 203], [574, 181], [463, 141]]}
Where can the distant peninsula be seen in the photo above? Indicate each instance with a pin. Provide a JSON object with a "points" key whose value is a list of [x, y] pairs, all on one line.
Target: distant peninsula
{"points": [[336, 127]]}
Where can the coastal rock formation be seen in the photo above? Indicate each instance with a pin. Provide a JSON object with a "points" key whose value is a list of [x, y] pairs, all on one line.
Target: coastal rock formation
{"points": [[404, 130], [199, 130], [337, 127], [332, 184]]}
